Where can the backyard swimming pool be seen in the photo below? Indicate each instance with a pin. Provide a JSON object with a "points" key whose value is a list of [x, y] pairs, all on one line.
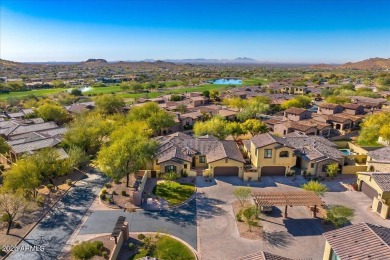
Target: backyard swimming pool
{"points": [[346, 151]]}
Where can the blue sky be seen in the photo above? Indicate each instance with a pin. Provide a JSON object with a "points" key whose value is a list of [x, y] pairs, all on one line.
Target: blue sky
{"points": [[278, 30]]}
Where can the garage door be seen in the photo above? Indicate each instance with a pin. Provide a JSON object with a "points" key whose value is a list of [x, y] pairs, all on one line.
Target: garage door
{"points": [[226, 171], [369, 191], [273, 170]]}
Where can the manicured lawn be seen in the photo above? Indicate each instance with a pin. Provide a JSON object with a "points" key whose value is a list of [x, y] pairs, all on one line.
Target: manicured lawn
{"points": [[173, 192], [168, 248], [39, 92], [253, 82], [116, 89]]}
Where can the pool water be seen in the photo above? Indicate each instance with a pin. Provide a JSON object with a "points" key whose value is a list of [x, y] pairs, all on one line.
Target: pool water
{"points": [[227, 82], [346, 151]]}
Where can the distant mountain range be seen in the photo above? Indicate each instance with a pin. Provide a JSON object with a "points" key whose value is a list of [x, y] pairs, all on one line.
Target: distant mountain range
{"points": [[373, 63]]}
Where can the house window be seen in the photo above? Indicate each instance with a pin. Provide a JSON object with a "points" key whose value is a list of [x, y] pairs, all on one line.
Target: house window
{"points": [[324, 167], [312, 165], [170, 168], [268, 153], [185, 166], [283, 154], [202, 159], [226, 160]]}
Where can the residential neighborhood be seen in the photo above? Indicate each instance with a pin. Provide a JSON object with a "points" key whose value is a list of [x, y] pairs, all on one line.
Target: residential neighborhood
{"points": [[191, 130]]}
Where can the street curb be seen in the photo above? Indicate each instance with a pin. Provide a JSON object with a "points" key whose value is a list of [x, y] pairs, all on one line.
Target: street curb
{"points": [[44, 215]]}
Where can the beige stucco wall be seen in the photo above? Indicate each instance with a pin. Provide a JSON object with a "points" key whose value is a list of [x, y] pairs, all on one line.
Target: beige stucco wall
{"points": [[260, 161], [357, 149], [327, 251], [254, 176], [306, 166], [198, 163], [384, 197], [229, 162], [377, 166], [353, 169]]}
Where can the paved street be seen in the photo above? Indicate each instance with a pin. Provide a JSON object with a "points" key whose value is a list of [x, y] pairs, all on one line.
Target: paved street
{"points": [[180, 222], [55, 229]]}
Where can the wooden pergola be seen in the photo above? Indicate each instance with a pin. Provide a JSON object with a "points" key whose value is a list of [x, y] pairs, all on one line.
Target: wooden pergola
{"points": [[288, 198]]}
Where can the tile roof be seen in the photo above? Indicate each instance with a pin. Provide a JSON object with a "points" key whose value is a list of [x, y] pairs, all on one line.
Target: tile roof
{"points": [[328, 105], [262, 140], [360, 241], [314, 147], [34, 145], [351, 106], [183, 147], [21, 129], [382, 154], [381, 178], [263, 256], [295, 110]]}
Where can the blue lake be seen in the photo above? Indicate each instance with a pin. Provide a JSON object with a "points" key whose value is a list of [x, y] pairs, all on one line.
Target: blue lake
{"points": [[228, 81]]}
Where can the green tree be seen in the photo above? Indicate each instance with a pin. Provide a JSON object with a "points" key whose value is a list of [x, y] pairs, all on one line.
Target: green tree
{"points": [[255, 126], [250, 215], [76, 92], [384, 132], [372, 127], [4, 147], [51, 112], [181, 108], [216, 126], [12, 207], [156, 118], [235, 129], [337, 100], [214, 94], [315, 186], [49, 164], [299, 101], [109, 104], [58, 84], [89, 132], [128, 151], [206, 93], [332, 169], [24, 176], [339, 215], [242, 194]]}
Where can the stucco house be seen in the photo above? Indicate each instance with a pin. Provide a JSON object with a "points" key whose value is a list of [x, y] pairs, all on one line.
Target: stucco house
{"points": [[376, 185], [270, 155], [359, 241], [314, 153], [202, 156], [329, 109], [379, 160]]}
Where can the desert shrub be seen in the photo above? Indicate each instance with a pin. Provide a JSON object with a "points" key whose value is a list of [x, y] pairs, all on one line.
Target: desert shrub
{"points": [[86, 250], [104, 254], [17, 225], [50, 186], [108, 185], [239, 216], [123, 193], [104, 191], [141, 236], [103, 196], [131, 246]]}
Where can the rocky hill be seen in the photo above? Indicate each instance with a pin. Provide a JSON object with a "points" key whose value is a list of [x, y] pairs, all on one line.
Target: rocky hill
{"points": [[7, 63], [373, 63]]}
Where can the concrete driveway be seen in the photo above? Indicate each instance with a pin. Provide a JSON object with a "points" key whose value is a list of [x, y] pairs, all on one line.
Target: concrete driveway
{"points": [[299, 236]]}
